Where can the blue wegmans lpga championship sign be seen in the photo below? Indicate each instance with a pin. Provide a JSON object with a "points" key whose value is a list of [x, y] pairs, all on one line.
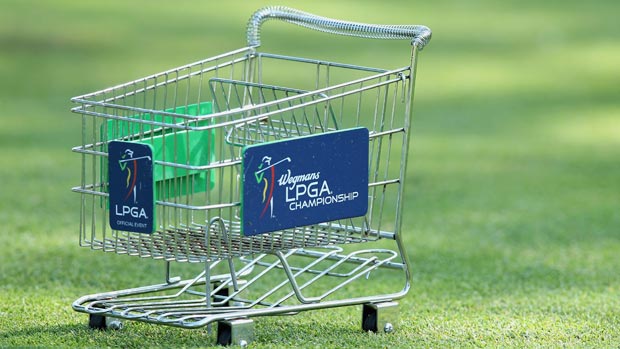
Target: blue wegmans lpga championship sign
{"points": [[305, 181]]}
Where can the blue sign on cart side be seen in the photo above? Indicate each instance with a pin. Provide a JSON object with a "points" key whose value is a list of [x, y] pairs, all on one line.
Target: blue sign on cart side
{"points": [[305, 181], [131, 189]]}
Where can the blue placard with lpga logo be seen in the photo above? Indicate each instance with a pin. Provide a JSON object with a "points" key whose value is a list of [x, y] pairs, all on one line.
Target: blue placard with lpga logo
{"points": [[131, 189], [304, 181]]}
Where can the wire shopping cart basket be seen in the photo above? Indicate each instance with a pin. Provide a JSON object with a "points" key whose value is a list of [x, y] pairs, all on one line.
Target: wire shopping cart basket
{"points": [[280, 177]]}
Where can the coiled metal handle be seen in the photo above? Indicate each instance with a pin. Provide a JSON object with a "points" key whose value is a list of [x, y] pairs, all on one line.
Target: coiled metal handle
{"points": [[418, 34]]}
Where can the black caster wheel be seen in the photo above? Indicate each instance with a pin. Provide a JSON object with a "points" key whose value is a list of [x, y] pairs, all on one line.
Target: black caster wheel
{"points": [[101, 322], [379, 317], [235, 332]]}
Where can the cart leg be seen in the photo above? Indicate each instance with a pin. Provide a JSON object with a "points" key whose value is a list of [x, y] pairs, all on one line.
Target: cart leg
{"points": [[223, 293], [101, 322], [379, 316], [235, 332]]}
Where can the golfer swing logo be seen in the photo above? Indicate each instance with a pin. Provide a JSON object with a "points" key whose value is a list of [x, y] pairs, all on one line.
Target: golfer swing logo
{"points": [[127, 162], [130, 173], [268, 184]]}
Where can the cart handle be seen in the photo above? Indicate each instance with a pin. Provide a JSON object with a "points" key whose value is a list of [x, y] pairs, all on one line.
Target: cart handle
{"points": [[418, 34]]}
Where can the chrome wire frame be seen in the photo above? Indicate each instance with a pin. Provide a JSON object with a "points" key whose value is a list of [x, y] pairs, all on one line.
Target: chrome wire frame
{"points": [[198, 196]]}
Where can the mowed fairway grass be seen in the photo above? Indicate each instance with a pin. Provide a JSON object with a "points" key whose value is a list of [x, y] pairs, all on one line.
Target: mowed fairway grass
{"points": [[512, 217]]}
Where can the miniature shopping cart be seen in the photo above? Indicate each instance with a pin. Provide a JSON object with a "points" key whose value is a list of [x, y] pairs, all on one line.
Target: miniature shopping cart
{"points": [[280, 179]]}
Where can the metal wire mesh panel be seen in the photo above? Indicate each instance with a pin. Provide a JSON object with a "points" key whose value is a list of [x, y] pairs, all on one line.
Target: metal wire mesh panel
{"points": [[197, 118]]}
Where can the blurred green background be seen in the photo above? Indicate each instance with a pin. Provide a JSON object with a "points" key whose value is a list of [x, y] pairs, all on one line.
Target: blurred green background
{"points": [[513, 204]]}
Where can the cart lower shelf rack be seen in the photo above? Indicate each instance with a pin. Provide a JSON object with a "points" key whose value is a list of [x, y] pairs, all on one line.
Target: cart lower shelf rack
{"points": [[282, 177]]}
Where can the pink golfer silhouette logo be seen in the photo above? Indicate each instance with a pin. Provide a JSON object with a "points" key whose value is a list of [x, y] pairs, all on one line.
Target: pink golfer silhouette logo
{"points": [[268, 181]]}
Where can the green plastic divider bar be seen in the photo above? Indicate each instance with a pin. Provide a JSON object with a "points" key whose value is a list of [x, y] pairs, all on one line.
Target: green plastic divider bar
{"points": [[195, 148]]}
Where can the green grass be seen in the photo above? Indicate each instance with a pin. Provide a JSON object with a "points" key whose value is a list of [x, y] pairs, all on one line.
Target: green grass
{"points": [[513, 203]]}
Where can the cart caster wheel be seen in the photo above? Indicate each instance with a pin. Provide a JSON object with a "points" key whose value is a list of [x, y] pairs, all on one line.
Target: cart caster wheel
{"points": [[100, 322], [114, 324], [379, 317], [235, 332]]}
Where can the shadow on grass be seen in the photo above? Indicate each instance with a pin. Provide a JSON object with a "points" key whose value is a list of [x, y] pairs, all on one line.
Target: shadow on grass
{"points": [[133, 335], [325, 332]]}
